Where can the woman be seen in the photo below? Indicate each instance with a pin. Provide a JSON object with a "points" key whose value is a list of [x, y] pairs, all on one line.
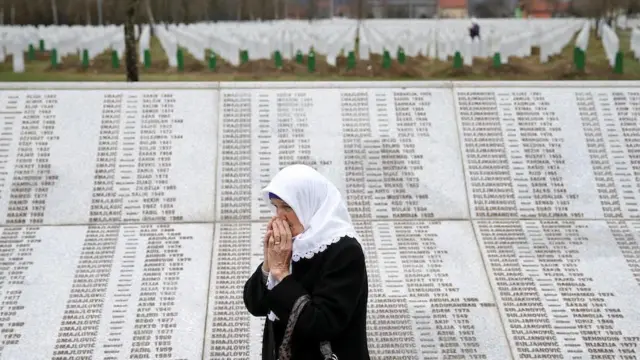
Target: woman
{"points": [[311, 252]]}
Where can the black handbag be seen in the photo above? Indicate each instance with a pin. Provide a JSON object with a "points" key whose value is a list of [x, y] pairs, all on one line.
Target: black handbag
{"points": [[285, 347]]}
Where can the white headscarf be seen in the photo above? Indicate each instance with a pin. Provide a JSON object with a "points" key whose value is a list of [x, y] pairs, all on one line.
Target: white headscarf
{"points": [[318, 205]]}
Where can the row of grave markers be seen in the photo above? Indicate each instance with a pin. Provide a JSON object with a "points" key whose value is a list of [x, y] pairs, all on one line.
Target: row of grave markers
{"points": [[176, 39]]}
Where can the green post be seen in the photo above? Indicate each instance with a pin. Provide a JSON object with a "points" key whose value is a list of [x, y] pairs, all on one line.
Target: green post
{"points": [[278, 59], [41, 45], [386, 60], [311, 62], [85, 59], [618, 69], [147, 58], [54, 58], [401, 56], [244, 56], [580, 59], [213, 61], [180, 58], [351, 60], [299, 57], [457, 60], [115, 60], [32, 52], [497, 60]]}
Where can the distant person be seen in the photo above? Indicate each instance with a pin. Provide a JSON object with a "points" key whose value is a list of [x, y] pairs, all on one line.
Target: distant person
{"points": [[474, 29]]}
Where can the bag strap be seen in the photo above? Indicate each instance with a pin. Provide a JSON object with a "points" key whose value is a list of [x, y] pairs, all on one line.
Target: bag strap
{"points": [[325, 349], [285, 347]]}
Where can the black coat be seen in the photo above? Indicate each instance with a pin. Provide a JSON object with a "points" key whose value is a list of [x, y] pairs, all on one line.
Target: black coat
{"points": [[336, 280]]}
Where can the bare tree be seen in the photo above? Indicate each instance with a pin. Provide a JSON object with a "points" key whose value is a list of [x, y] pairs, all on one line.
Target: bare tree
{"points": [[131, 53], [490, 9], [312, 9], [54, 11]]}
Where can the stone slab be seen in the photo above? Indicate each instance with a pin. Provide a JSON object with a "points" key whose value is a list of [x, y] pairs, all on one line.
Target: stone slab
{"points": [[104, 291], [566, 289], [428, 294], [107, 156], [551, 153], [393, 153]]}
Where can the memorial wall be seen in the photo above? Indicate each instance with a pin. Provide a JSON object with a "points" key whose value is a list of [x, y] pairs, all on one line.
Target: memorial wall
{"points": [[499, 220]]}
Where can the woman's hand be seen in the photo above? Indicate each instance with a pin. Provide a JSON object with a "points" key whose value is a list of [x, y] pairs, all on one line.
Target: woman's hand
{"points": [[265, 245], [279, 252]]}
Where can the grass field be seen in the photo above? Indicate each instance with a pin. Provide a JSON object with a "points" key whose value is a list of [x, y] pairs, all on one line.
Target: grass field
{"points": [[560, 67]]}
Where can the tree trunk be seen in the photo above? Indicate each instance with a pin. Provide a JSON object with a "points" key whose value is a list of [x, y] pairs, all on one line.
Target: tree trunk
{"points": [[99, 6], [87, 12], [152, 21], [54, 9], [131, 53]]}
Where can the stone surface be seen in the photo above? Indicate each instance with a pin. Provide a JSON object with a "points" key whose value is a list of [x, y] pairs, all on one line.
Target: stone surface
{"points": [[104, 291], [551, 153], [394, 153], [426, 284], [500, 220], [567, 289], [107, 156]]}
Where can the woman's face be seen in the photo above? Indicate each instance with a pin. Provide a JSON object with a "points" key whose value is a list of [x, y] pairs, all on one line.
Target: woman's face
{"points": [[285, 212]]}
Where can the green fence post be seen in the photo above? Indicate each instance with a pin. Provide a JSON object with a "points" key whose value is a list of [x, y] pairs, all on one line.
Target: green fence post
{"points": [[401, 56], [115, 59], [32, 52], [213, 61], [278, 59], [42, 48], [244, 56], [54, 58], [299, 57], [147, 58], [497, 60], [180, 58], [619, 66], [85, 59], [311, 62], [582, 60], [351, 60], [457, 60], [386, 60]]}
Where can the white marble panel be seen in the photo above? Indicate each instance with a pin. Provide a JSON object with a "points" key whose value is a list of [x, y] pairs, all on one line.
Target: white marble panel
{"points": [[567, 289], [429, 275], [551, 152], [104, 156], [392, 152], [428, 294], [231, 332], [104, 291]]}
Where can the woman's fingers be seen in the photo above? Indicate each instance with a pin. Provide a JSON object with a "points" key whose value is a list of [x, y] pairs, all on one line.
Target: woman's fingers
{"points": [[271, 241], [288, 235], [277, 232]]}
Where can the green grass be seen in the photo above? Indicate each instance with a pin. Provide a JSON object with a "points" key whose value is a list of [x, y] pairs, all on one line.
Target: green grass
{"points": [[560, 67]]}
